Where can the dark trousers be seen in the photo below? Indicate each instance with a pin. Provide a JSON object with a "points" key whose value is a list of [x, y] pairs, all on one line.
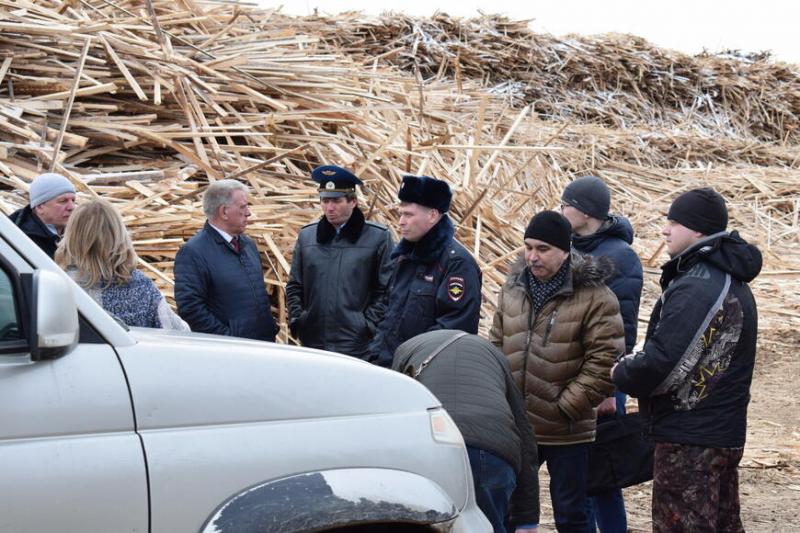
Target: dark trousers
{"points": [[495, 481], [696, 489], [607, 509], [568, 466]]}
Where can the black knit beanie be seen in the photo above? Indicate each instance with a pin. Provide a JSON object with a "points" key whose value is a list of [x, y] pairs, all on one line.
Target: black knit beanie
{"points": [[589, 195], [550, 227], [701, 210]]}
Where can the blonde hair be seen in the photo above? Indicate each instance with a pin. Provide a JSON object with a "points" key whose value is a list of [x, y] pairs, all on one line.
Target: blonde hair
{"points": [[97, 245]]}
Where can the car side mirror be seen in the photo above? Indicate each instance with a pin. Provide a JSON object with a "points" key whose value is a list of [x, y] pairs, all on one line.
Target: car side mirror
{"points": [[54, 316]]}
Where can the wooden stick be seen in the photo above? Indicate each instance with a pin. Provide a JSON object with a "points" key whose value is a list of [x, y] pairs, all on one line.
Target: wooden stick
{"points": [[70, 101]]}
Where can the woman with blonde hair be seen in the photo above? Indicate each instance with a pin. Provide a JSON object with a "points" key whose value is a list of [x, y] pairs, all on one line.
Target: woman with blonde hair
{"points": [[96, 251]]}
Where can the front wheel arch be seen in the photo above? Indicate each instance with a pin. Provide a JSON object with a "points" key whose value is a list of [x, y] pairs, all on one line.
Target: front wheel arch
{"points": [[331, 499]]}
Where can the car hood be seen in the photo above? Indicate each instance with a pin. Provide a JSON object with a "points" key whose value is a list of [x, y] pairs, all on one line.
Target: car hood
{"points": [[191, 379]]}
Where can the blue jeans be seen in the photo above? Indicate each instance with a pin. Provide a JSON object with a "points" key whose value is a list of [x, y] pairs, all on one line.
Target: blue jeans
{"points": [[607, 509], [495, 481], [569, 469]]}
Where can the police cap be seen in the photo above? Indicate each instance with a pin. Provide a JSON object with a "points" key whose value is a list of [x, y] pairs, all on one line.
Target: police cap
{"points": [[334, 181]]}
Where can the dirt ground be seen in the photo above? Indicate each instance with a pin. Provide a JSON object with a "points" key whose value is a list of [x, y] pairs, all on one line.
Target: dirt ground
{"points": [[769, 475]]}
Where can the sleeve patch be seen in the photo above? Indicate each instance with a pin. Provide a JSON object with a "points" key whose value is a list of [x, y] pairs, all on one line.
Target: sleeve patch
{"points": [[455, 288]]}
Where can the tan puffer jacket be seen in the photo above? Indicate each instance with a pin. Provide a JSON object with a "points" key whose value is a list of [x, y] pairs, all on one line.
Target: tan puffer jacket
{"points": [[561, 362]]}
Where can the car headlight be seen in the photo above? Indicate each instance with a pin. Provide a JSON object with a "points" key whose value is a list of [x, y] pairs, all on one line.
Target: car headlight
{"points": [[443, 428]]}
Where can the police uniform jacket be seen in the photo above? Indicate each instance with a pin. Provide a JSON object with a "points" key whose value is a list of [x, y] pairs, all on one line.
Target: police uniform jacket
{"points": [[32, 226], [436, 284], [693, 376], [219, 290], [561, 356], [336, 292]]}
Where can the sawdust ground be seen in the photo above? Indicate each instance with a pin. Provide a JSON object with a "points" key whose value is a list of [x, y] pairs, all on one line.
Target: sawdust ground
{"points": [[770, 471]]}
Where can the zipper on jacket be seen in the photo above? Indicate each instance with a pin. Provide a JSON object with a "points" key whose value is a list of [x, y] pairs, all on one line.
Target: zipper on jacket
{"points": [[549, 327], [528, 340]]}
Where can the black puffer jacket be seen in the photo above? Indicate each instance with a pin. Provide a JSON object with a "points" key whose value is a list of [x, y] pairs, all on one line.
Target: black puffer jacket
{"points": [[337, 286], [473, 381], [33, 227], [693, 376]]}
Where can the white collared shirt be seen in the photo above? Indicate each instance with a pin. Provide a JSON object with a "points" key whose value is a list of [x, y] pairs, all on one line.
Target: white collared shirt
{"points": [[225, 235]]}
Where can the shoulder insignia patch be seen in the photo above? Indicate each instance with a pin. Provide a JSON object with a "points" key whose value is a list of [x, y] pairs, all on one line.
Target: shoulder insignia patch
{"points": [[455, 288]]}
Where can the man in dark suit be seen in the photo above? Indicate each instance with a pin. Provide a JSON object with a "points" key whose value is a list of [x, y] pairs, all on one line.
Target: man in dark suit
{"points": [[219, 284]]}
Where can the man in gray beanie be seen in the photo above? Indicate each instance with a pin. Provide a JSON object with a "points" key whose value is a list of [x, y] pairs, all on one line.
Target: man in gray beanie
{"points": [[52, 200], [692, 377], [585, 203]]}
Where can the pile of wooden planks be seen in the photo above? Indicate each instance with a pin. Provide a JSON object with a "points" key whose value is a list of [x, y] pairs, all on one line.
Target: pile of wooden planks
{"points": [[145, 102]]}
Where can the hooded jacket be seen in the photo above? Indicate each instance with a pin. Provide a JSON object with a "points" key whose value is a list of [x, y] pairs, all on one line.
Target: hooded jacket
{"points": [[436, 284], [561, 357], [337, 284], [32, 226], [693, 376], [613, 240], [473, 381]]}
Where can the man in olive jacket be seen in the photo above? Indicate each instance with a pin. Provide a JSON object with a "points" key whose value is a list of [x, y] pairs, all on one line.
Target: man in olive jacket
{"points": [[561, 329], [340, 271], [473, 381]]}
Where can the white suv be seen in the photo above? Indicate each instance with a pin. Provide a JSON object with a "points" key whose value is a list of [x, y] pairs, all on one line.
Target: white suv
{"points": [[105, 429]]}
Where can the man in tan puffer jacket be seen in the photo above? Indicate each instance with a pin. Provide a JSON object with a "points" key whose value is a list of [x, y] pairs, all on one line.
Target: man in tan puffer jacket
{"points": [[561, 329]]}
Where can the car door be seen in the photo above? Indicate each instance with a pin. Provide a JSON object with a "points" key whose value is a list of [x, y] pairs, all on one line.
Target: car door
{"points": [[70, 459]]}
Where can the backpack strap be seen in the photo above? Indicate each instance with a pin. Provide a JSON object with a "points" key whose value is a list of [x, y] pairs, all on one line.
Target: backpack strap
{"points": [[437, 351]]}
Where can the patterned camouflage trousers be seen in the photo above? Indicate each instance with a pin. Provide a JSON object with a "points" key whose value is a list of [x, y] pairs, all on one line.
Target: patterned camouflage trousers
{"points": [[696, 489]]}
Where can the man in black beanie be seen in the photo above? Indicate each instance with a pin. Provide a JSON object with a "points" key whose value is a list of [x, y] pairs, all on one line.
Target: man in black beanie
{"points": [[560, 328], [693, 376], [585, 203], [436, 283]]}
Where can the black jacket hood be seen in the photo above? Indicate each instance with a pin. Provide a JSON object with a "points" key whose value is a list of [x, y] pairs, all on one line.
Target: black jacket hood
{"points": [[728, 252]]}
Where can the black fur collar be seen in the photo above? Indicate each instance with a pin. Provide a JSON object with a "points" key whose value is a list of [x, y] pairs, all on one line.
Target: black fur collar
{"points": [[429, 247], [351, 230]]}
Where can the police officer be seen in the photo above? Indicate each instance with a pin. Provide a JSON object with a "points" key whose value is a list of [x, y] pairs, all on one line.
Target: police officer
{"points": [[436, 283], [336, 292]]}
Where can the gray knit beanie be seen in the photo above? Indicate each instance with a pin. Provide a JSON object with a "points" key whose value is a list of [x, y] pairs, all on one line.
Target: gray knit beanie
{"points": [[589, 195], [47, 186]]}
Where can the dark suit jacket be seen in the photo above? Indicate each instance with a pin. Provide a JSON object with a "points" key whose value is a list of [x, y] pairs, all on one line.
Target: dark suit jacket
{"points": [[221, 291]]}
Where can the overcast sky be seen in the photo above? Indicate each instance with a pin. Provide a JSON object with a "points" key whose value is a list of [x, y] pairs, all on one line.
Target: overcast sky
{"points": [[686, 25]]}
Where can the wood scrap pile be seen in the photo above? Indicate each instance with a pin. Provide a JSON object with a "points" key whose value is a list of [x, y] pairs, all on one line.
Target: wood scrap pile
{"points": [[145, 102], [613, 80]]}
